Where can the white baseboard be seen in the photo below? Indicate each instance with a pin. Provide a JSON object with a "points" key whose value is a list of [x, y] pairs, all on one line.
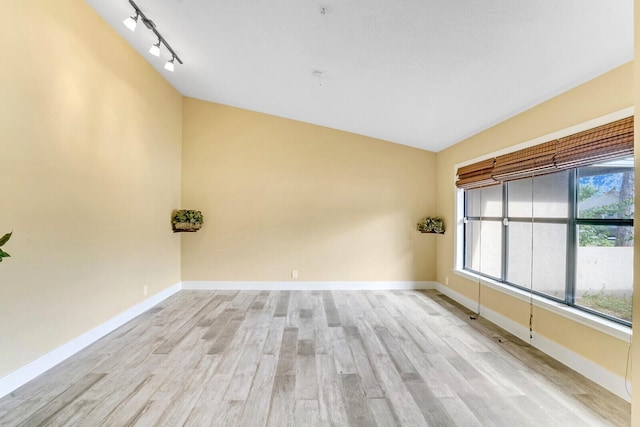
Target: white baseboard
{"points": [[596, 373], [306, 286], [21, 376], [593, 371]]}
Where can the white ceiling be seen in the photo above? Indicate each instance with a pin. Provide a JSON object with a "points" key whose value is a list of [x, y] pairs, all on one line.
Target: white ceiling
{"points": [[424, 73]]}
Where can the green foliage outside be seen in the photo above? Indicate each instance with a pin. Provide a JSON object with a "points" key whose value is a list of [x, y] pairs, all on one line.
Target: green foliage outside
{"points": [[603, 236], [619, 306], [589, 234], [620, 210], [4, 240], [593, 235], [600, 235], [585, 191]]}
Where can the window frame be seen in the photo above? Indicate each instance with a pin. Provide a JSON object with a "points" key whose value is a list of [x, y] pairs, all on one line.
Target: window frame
{"points": [[480, 218], [572, 223]]}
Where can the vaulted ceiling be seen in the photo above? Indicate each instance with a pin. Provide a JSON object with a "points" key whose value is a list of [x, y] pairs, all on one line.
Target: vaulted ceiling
{"points": [[424, 73]]}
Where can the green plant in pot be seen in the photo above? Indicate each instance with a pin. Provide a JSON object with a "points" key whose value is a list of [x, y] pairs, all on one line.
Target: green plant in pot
{"points": [[431, 225], [187, 220], [4, 239]]}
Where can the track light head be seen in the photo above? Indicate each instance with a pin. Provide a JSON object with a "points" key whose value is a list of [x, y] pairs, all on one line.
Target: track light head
{"points": [[155, 49], [131, 22], [169, 65]]}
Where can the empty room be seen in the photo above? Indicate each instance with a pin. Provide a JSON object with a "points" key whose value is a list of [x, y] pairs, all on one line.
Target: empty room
{"points": [[318, 213]]}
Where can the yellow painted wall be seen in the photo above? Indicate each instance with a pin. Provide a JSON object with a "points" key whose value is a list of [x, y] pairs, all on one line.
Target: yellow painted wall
{"points": [[279, 195], [90, 158], [635, 349], [606, 94]]}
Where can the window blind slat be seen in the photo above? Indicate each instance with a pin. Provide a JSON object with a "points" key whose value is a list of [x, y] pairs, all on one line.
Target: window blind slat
{"points": [[606, 142], [536, 160], [476, 175]]}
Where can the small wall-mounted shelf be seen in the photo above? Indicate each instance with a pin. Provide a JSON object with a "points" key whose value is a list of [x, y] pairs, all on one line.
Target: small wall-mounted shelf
{"points": [[432, 232], [185, 227]]}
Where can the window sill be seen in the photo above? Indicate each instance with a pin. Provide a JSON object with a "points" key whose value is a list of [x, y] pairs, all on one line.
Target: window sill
{"points": [[608, 327]]}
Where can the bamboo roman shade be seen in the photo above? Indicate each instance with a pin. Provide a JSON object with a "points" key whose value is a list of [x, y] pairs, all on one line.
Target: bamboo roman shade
{"points": [[596, 145], [535, 160], [599, 144], [476, 175]]}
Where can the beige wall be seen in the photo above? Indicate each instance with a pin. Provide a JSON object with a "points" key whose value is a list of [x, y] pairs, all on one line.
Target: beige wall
{"points": [[635, 350], [606, 94], [90, 152], [279, 195]]}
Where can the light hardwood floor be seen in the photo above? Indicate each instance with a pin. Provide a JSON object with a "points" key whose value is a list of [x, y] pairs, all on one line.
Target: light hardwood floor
{"points": [[306, 358]]}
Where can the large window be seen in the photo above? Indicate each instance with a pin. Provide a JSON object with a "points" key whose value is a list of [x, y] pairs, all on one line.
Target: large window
{"points": [[567, 236]]}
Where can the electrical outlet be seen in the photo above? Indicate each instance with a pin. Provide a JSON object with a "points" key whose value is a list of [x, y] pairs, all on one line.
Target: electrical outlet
{"points": [[446, 280], [294, 274], [145, 290]]}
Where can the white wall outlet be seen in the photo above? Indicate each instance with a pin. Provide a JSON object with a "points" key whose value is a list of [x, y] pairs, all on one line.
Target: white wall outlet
{"points": [[145, 290], [294, 274], [446, 280]]}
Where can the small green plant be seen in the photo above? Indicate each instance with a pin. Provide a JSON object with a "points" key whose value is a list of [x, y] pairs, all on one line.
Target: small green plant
{"points": [[4, 240], [431, 225], [189, 216], [619, 306], [187, 220]]}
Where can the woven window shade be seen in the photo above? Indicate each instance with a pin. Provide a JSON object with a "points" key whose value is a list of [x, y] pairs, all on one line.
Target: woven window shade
{"points": [[524, 163], [606, 142], [603, 143], [476, 175]]}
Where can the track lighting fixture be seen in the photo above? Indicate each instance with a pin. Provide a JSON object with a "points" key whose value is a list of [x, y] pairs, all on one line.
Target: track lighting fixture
{"points": [[169, 65], [131, 22], [155, 49]]}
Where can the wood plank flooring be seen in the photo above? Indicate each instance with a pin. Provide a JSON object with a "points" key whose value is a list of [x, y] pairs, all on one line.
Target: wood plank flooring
{"points": [[307, 358]]}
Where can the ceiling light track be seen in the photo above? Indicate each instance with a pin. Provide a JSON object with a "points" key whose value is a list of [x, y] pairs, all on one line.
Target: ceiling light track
{"points": [[131, 23]]}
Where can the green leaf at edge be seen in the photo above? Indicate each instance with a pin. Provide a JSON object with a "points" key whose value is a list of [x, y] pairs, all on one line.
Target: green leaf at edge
{"points": [[5, 238]]}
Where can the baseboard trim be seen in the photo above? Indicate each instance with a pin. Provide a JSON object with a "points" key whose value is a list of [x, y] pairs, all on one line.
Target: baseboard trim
{"points": [[589, 369], [306, 286], [23, 375], [596, 373]]}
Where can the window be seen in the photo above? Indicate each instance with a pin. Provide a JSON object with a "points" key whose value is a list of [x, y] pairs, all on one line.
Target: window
{"points": [[567, 235], [604, 221], [483, 231], [537, 215]]}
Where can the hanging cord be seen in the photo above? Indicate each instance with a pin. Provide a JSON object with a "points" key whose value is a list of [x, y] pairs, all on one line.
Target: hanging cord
{"points": [[626, 372], [531, 270], [475, 316]]}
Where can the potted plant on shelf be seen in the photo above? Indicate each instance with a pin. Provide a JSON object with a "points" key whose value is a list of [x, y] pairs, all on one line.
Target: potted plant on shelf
{"points": [[431, 225], [187, 220], [4, 239]]}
